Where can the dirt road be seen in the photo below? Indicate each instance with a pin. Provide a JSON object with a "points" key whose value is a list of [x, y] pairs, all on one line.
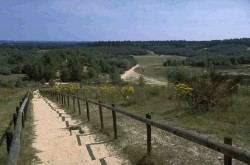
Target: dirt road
{"points": [[57, 146], [131, 75]]}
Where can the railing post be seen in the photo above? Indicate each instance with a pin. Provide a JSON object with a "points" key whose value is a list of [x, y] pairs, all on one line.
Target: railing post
{"points": [[61, 98], [20, 103], [227, 159], [74, 108], [114, 121], [148, 135], [17, 109], [25, 110], [101, 116], [9, 136], [68, 99], [79, 106], [23, 120], [14, 120], [87, 108]]}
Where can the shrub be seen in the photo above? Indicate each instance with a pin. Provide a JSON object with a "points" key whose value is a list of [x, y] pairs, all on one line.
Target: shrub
{"points": [[212, 89], [178, 74], [142, 81], [5, 71]]}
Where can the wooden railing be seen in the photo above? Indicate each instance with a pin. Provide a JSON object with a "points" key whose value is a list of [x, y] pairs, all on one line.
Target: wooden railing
{"points": [[13, 139], [225, 148]]}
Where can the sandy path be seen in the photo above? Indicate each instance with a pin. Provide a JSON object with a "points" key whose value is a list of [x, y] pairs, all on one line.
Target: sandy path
{"points": [[55, 144], [131, 75]]}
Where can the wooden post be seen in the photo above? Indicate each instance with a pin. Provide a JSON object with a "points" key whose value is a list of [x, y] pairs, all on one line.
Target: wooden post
{"points": [[9, 136], [25, 110], [14, 120], [68, 100], [79, 106], [23, 120], [114, 122], [148, 135], [63, 118], [87, 108], [227, 159], [64, 99], [101, 116], [67, 124], [17, 109], [61, 98], [60, 114], [74, 103]]}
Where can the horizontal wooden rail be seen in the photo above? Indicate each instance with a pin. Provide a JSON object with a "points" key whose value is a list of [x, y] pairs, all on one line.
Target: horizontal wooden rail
{"points": [[234, 152], [15, 144]]}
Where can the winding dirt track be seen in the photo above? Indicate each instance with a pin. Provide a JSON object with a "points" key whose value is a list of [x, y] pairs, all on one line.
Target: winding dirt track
{"points": [[131, 75], [57, 146]]}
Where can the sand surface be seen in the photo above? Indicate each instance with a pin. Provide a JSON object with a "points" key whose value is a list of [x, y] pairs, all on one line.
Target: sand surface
{"points": [[57, 146]]}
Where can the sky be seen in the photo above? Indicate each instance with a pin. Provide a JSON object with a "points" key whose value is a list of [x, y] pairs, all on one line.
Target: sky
{"points": [[112, 20]]}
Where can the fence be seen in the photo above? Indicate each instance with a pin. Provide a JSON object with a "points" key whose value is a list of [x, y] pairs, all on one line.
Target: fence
{"points": [[225, 148], [13, 139]]}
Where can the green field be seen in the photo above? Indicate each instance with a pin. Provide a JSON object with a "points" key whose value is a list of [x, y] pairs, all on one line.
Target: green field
{"points": [[152, 60], [152, 66]]}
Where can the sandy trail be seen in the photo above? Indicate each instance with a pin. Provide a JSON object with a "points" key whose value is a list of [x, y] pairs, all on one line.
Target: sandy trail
{"points": [[57, 146], [131, 75]]}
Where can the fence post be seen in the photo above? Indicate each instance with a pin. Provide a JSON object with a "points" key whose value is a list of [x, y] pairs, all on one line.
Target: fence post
{"points": [[114, 121], [25, 110], [61, 98], [79, 106], [14, 120], [20, 103], [17, 109], [9, 136], [101, 116], [227, 159], [68, 99], [87, 108], [148, 116], [23, 120], [74, 108]]}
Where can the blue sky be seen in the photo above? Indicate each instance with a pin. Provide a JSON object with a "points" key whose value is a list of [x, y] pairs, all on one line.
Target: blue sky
{"points": [[93, 20]]}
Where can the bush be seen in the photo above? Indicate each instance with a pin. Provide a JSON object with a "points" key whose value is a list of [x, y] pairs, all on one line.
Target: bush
{"points": [[212, 89], [178, 74], [5, 71]]}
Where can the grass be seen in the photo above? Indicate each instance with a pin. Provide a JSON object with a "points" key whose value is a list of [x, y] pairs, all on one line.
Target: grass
{"points": [[27, 155], [152, 66], [9, 99], [149, 60], [12, 77]]}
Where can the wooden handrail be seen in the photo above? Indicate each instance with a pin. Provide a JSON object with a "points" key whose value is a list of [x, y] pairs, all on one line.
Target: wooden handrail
{"points": [[15, 144], [234, 152]]}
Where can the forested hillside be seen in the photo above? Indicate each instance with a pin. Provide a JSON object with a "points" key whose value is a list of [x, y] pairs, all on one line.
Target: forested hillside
{"points": [[80, 61]]}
